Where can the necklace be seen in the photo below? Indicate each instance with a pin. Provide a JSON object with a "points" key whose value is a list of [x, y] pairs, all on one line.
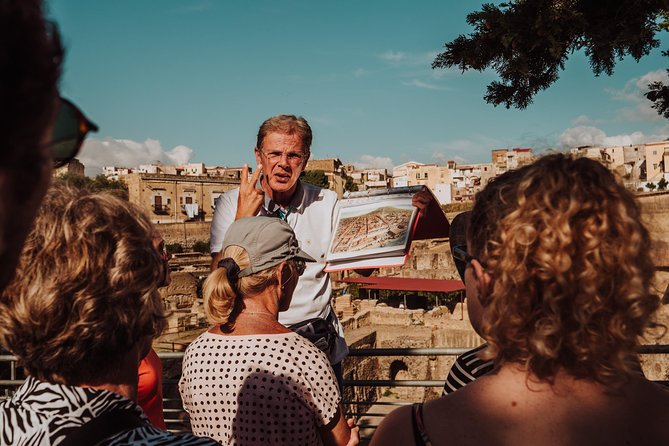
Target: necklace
{"points": [[267, 313]]}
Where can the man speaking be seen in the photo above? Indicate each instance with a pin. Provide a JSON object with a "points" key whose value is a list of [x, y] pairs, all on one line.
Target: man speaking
{"points": [[282, 151]]}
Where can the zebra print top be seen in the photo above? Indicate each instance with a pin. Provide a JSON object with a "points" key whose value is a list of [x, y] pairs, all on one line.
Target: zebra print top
{"points": [[42, 413], [466, 369]]}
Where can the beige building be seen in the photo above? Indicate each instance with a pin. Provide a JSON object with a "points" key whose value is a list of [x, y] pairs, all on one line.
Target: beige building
{"points": [[332, 167], [468, 179], [509, 159], [177, 198], [401, 173], [637, 165], [656, 167], [437, 178], [370, 179], [74, 167]]}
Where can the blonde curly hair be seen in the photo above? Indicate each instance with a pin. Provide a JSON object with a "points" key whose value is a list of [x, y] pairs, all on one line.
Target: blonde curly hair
{"points": [[86, 289], [569, 260]]}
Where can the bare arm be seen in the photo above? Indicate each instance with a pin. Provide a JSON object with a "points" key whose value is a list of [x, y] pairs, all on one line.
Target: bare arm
{"points": [[340, 432], [395, 429]]}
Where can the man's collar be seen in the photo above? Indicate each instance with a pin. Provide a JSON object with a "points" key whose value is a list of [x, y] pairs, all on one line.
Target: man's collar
{"points": [[296, 203]]}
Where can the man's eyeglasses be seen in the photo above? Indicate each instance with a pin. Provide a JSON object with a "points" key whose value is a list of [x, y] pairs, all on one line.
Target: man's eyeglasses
{"points": [[69, 132], [291, 157]]}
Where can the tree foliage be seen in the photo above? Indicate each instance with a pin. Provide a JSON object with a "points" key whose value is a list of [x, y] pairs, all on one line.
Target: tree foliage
{"points": [[662, 184], [349, 184], [99, 183], [316, 177], [527, 43]]}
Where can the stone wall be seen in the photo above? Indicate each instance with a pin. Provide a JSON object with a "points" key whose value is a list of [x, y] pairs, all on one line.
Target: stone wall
{"points": [[428, 259], [185, 233], [183, 308], [655, 215]]}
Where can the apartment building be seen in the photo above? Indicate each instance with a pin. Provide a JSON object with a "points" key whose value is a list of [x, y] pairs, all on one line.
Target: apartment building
{"points": [[401, 173], [637, 165], [74, 167], [509, 159], [468, 179], [332, 167], [177, 198], [367, 179]]}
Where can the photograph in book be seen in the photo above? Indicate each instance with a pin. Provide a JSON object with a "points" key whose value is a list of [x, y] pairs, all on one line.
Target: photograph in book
{"points": [[373, 229]]}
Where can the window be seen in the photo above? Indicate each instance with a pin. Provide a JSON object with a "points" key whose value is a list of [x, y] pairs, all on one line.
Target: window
{"points": [[418, 176]]}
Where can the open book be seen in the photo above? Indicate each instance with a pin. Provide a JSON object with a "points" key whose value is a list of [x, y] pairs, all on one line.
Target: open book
{"points": [[374, 228]]}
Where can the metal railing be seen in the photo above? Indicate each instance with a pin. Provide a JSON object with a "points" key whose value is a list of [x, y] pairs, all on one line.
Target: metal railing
{"points": [[177, 419]]}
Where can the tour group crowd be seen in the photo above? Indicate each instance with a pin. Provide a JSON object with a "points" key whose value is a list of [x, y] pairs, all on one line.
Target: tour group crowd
{"points": [[554, 258]]}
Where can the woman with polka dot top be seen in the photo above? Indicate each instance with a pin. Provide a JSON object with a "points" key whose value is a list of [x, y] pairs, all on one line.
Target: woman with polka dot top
{"points": [[249, 380]]}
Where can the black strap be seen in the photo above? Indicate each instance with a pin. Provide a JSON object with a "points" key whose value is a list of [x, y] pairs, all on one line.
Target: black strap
{"points": [[102, 427], [419, 434]]}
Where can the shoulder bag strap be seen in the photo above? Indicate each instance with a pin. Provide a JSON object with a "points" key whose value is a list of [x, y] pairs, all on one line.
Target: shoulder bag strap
{"points": [[418, 426], [102, 427]]}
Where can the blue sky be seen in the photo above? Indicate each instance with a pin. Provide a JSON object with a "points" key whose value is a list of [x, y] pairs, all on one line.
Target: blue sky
{"points": [[179, 80]]}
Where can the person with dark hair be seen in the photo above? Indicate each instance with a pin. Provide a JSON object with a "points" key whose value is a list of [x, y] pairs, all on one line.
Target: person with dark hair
{"points": [[30, 64], [80, 314], [249, 380], [557, 263]]}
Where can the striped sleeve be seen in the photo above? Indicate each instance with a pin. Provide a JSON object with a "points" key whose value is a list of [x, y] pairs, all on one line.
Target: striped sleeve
{"points": [[467, 368]]}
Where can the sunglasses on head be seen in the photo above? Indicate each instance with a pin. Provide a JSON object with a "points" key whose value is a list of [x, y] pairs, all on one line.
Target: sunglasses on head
{"points": [[69, 132]]}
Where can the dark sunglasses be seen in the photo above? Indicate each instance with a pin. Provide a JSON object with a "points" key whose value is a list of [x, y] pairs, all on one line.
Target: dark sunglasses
{"points": [[69, 132], [461, 255]]}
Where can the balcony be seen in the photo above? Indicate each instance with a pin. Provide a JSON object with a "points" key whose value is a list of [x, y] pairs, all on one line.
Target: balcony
{"points": [[160, 209]]}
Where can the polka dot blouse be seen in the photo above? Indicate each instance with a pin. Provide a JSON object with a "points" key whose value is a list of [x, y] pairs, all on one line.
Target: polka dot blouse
{"points": [[270, 389]]}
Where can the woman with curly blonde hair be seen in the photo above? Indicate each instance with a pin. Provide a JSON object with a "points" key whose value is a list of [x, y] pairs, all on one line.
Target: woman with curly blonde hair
{"points": [[558, 267], [80, 314]]}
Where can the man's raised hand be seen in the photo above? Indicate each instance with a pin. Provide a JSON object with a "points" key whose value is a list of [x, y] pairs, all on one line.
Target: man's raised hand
{"points": [[250, 197]]}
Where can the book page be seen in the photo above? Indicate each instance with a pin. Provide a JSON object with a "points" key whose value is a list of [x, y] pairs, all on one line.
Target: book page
{"points": [[372, 227]]}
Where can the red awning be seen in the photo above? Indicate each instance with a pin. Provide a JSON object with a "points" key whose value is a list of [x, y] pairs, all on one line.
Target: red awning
{"points": [[406, 284]]}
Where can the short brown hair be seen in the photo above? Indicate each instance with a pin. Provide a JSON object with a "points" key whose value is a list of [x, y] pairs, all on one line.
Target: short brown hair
{"points": [[287, 125], [86, 290], [569, 260]]}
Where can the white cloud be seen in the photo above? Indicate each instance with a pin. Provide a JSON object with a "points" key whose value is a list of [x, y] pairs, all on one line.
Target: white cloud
{"points": [[393, 56], [593, 136], [639, 108], [463, 151], [421, 84], [409, 59], [374, 162], [96, 153], [581, 120]]}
